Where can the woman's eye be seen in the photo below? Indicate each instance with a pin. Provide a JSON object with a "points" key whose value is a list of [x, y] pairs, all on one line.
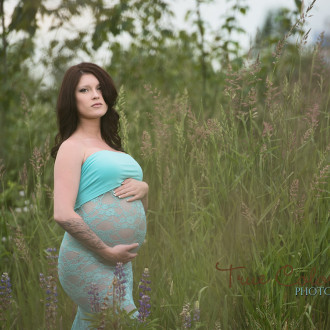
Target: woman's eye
{"points": [[99, 88], [83, 90]]}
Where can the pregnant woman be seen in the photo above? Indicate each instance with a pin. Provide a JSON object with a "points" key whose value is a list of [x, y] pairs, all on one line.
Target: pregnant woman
{"points": [[99, 196]]}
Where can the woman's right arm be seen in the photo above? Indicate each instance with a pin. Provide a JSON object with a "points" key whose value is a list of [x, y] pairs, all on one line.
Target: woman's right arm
{"points": [[67, 172]]}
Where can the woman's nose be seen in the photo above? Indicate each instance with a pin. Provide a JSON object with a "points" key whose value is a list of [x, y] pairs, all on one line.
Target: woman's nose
{"points": [[96, 94]]}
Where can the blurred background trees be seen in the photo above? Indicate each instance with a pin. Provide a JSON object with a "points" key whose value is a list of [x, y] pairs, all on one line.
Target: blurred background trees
{"points": [[139, 45]]}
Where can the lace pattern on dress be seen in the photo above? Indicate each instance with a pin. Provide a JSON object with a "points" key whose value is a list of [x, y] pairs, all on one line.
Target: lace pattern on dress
{"points": [[115, 221]]}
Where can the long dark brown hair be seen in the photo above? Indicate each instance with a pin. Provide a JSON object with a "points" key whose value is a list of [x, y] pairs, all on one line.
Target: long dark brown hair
{"points": [[66, 108]]}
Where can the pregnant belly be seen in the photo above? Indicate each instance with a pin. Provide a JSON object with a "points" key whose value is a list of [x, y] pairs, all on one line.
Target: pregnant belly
{"points": [[115, 220]]}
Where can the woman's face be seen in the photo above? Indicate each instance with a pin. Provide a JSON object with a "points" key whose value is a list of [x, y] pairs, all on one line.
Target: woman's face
{"points": [[89, 99]]}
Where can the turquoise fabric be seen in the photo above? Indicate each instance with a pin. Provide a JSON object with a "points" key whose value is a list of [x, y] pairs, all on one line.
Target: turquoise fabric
{"points": [[114, 220], [103, 171]]}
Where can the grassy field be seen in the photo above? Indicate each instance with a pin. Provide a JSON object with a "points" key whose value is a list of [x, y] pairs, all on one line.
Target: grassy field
{"points": [[245, 188]]}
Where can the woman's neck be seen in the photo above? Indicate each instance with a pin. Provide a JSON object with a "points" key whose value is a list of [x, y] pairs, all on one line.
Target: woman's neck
{"points": [[89, 129]]}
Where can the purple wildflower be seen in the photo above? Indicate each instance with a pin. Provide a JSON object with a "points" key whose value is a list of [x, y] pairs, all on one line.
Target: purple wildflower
{"points": [[196, 312], [94, 299], [144, 309], [187, 321], [5, 294], [119, 286], [52, 261], [48, 284], [186, 317]]}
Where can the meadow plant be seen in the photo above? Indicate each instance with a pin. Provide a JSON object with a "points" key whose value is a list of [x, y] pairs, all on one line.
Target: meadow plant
{"points": [[119, 283], [107, 312], [196, 312], [144, 293], [186, 316], [22, 249], [94, 298], [49, 286], [5, 295], [190, 318], [52, 258]]}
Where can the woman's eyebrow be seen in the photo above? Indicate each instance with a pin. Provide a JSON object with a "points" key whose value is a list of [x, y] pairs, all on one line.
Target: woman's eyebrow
{"points": [[88, 86]]}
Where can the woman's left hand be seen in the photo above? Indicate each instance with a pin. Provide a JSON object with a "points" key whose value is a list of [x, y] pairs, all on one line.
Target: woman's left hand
{"points": [[131, 187]]}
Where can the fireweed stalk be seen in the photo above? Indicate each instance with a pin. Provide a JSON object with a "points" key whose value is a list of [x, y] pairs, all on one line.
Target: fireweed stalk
{"points": [[144, 301]]}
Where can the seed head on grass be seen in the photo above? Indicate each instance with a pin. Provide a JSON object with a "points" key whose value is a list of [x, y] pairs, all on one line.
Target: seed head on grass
{"points": [[37, 161], [268, 130], [320, 180], [23, 176], [5, 294], [146, 148], [22, 248]]}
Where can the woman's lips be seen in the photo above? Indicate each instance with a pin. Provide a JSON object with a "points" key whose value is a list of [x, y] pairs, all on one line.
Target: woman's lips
{"points": [[97, 105]]}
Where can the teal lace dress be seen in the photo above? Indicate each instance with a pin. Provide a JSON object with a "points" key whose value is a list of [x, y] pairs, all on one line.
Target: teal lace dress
{"points": [[116, 221]]}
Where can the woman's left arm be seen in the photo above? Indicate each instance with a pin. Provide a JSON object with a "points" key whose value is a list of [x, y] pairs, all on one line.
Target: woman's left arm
{"points": [[134, 188]]}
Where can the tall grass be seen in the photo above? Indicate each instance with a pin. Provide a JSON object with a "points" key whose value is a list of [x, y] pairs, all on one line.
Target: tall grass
{"points": [[246, 188]]}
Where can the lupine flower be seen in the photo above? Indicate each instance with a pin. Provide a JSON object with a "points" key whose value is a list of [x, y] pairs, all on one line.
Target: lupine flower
{"points": [[5, 294], [144, 301], [196, 311], [119, 284], [94, 299], [144, 310], [52, 261], [48, 284], [185, 316]]}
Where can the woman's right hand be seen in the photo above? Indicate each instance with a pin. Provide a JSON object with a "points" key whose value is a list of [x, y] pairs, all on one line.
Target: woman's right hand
{"points": [[119, 253]]}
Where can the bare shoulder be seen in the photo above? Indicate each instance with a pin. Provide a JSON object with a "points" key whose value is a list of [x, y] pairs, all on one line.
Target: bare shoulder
{"points": [[71, 151]]}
